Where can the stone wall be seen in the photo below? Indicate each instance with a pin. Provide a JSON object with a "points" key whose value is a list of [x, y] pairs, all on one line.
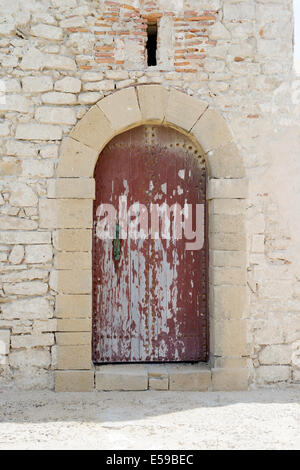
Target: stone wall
{"points": [[59, 57]]}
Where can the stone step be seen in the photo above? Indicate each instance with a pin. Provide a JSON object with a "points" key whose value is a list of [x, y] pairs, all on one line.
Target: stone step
{"points": [[177, 377]]}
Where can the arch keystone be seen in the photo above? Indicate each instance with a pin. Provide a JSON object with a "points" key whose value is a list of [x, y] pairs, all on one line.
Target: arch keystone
{"points": [[153, 101]]}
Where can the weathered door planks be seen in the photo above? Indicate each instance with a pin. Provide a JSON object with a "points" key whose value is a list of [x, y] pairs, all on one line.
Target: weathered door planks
{"points": [[151, 305]]}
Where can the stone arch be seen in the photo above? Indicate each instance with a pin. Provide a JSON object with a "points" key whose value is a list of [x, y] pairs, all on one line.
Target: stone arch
{"points": [[68, 211]]}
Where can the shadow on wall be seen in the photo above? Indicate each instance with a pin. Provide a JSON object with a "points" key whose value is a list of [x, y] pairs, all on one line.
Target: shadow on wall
{"points": [[101, 407]]}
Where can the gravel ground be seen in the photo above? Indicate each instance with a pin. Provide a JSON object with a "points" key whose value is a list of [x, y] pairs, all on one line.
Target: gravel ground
{"points": [[262, 419]]}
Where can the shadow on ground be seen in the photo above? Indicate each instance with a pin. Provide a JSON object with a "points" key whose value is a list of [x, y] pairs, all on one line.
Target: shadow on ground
{"points": [[37, 407]]}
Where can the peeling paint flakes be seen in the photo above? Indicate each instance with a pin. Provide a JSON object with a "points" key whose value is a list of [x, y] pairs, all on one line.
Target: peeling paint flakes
{"points": [[147, 303], [164, 188]]}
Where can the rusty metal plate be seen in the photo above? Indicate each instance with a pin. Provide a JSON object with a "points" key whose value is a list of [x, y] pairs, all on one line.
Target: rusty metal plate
{"points": [[149, 294]]}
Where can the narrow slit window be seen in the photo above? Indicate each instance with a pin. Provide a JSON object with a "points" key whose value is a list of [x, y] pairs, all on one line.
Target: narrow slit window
{"points": [[151, 43]]}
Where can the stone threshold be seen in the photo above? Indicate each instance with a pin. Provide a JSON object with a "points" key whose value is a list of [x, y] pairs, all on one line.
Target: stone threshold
{"points": [[132, 377]]}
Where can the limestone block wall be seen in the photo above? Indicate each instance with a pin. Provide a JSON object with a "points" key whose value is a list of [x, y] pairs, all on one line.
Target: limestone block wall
{"points": [[60, 57]]}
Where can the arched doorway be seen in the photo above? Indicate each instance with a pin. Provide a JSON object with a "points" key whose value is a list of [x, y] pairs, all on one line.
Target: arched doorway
{"points": [[150, 268], [68, 211]]}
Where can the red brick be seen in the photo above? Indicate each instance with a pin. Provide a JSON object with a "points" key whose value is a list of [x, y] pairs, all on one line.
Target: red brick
{"points": [[78, 30], [104, 61], [186, 70], [104, 48], [201, 18], [129, 7], [112, 3], [180, 64]]}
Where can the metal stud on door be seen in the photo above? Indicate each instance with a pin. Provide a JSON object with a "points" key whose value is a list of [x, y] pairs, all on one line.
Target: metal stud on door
{"points": [[149, 291]]}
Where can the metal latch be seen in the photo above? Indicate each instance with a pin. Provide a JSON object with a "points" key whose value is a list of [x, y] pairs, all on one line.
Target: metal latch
{"points": [[117, 244]]}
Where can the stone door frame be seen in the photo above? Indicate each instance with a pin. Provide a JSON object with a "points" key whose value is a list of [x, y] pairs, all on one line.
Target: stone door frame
{"points": [[68, 211]]}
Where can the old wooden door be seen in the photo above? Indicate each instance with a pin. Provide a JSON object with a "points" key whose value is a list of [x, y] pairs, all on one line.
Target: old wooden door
{"points": [[149, 293]]}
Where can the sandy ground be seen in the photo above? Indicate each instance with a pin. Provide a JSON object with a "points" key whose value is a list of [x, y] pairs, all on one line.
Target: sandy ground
{"points": [[260, 419]]}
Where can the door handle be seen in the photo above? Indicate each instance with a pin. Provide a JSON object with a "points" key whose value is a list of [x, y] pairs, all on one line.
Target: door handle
{"points": [[117, 244]]}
